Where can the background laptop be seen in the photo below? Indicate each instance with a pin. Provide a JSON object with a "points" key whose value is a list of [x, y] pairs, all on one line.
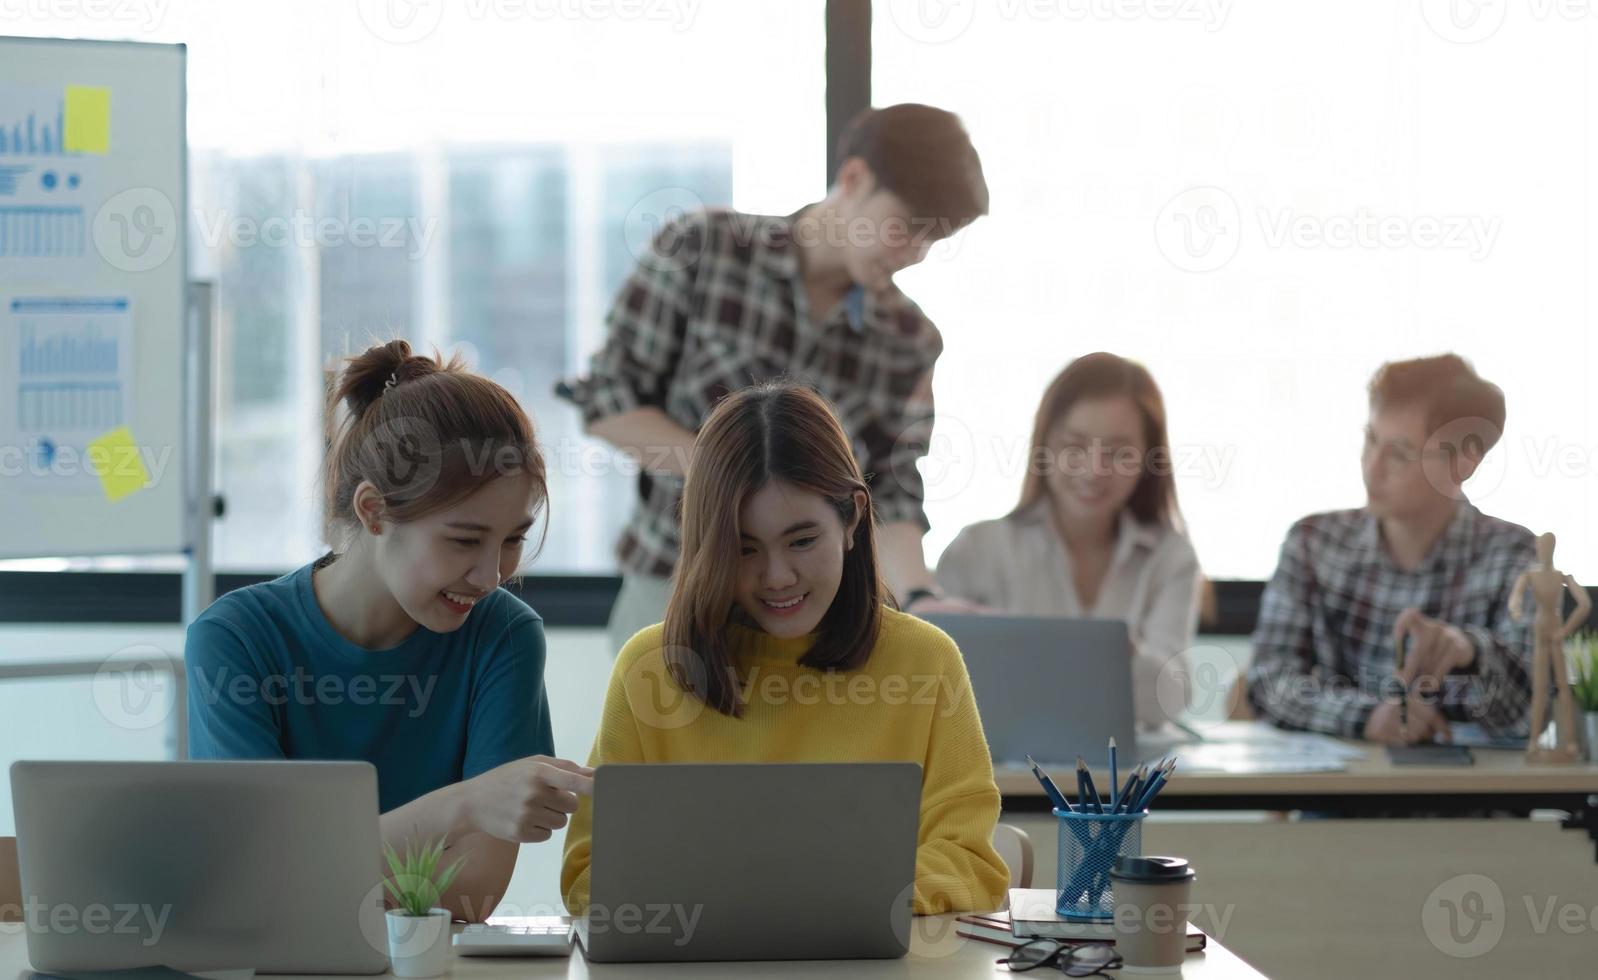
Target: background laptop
{"points": [[778, 861], [273, 866], [1052, 688]]}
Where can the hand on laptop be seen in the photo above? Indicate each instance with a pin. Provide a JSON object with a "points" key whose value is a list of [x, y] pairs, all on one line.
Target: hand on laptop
{"points": [[527, 800], [1426, 724], [1435, 647]]}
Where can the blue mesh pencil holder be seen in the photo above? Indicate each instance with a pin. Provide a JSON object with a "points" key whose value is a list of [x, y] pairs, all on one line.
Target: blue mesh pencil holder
{"points": [[1089, 845]]}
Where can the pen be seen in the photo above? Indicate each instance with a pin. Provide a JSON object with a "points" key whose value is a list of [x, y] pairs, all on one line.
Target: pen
{"points": [[1053, 791], [1090, 793], [1403, 694]]}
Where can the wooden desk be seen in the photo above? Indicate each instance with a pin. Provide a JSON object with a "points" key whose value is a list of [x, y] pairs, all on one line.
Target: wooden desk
{"points": [[1498, 773], [936, 953], [1499, 779], [1364, 898]]}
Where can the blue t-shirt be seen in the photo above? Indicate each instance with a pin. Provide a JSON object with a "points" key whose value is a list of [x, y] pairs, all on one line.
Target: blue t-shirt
{"points": [[270, 678]]}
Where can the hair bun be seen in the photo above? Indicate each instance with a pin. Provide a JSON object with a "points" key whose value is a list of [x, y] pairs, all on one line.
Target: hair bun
{"points": [[368, 375]]}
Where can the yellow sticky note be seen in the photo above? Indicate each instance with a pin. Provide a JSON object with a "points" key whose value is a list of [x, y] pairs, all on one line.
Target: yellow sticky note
{"points": [[88, 119], [115, 458]]}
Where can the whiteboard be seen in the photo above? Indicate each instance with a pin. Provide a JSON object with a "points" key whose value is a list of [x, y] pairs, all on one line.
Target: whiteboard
{"points": [[93, 266]]}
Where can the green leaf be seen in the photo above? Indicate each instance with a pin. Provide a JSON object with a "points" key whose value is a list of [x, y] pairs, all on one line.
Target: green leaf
{"points": [[1583, 651], [449, 874], [415, 881], [393, 860]]}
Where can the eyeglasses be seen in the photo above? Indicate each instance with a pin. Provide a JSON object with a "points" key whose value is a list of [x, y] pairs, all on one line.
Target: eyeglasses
{"points": [[1073, 960]]}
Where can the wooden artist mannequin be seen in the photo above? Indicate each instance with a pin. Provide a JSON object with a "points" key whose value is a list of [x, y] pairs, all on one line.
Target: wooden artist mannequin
{"points": [[1548, 586]]}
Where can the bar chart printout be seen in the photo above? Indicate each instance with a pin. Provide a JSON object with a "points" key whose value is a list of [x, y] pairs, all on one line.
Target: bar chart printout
{"points": [[69, 367], [32, 121], [42, 212]]}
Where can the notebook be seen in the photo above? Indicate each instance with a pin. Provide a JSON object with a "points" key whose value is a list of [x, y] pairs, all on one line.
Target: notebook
{"points": [[996, 930], [1032, 916]]}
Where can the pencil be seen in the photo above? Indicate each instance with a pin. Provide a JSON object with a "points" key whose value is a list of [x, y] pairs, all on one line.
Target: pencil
{"points": [[1157, 783], [1090, 792], [1126, 796], [1144, 774], [1055, 796], [1150, 788], [1115, 778]]}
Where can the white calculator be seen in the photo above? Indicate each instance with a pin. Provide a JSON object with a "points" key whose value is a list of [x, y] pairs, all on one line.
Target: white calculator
{"points": [[516, 935]]}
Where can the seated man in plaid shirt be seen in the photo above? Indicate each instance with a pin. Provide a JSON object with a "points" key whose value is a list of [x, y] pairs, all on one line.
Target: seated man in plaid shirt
{"points": [[1418, 561], [723, 300]]}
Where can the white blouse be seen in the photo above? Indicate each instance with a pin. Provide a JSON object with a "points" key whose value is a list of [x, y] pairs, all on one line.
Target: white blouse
{"points": [[1020, 565]]}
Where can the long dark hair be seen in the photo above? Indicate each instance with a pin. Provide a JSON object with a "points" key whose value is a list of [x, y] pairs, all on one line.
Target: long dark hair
{"points": [[773, 431], [1103, 375]]}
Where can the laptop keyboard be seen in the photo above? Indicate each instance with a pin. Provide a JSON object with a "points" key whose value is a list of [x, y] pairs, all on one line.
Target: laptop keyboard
{"points": [[518, 930]]}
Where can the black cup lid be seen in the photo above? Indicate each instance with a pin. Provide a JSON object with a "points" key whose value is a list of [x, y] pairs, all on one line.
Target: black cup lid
{"points": [[1152, 869]]}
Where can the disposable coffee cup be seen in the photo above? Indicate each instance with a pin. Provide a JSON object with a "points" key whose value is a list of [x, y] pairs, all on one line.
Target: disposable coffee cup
{"points": [[1152, 899]]}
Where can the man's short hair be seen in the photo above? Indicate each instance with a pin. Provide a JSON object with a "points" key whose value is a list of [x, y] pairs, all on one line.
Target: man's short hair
{"points": [[924, 156], [1455, 397]]}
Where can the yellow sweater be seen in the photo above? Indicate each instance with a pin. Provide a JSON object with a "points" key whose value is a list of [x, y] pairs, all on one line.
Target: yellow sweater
{"points": [[910, 702]]}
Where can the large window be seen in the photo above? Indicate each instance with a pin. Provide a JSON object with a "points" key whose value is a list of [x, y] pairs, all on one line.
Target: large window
{"points": [[1262, 202], [470, 175]]}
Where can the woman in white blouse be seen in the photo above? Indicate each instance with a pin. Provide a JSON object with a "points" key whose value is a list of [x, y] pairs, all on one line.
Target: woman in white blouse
{"points": [[1097, 532]]}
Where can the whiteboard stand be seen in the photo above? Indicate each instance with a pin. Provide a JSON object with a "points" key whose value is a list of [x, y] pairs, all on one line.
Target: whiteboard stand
{"points": [[200, 501], [199, 587]]}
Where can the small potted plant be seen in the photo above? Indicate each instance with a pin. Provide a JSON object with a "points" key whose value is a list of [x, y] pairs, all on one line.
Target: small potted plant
{"points": [[1584, 685], [418, 930]]}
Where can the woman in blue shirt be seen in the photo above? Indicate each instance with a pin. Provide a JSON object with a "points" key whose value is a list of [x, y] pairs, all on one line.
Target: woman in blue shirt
{"points": [[398, 647]]}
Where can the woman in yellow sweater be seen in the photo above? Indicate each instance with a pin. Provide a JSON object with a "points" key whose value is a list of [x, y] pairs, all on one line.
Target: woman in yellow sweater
{"points": [[781, 644]]}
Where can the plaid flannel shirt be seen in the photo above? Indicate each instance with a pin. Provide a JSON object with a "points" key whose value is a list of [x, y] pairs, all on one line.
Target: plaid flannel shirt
{"points": [[717, 304], [1323, 648]]}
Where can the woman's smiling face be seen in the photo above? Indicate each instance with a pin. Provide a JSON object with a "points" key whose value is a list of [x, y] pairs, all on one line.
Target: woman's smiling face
{"points": [[792, 543], [440, 566]]}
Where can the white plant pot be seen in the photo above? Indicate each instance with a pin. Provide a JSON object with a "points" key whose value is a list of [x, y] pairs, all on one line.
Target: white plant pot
{"points": [[418, 945]]}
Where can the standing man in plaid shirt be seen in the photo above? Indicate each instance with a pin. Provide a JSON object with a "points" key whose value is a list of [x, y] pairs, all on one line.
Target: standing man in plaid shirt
{"points": [[723, 300], [1418, 561]]}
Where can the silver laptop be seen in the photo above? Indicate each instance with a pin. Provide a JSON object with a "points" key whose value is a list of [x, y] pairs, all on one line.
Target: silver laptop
{"points": [[273, 866], [780, 861], [1051, 688]]}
